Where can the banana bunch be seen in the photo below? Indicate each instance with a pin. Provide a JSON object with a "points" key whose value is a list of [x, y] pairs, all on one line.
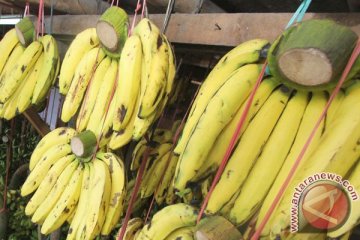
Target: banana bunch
{"points": [[335, 150], [87, 193], [160, 167], [26, 74], [176, 221], [220, 97], [117, 99]]}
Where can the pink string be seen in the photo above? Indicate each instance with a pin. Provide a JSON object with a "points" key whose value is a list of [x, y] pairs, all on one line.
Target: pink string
{"points": [[138, 7], [143, 10], [40, 20], [345, 73], [232, 142], [27, 9]]}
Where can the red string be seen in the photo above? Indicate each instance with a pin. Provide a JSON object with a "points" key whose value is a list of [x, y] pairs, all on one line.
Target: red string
{"points": [[174, 141], [134, 193], [346, 71], [232, 142]]}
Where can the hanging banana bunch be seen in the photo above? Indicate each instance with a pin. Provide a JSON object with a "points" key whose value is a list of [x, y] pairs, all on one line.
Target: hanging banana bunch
{"points": [[28, 68]]}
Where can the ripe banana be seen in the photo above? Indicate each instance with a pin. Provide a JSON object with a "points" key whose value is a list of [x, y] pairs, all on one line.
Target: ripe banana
{"points": [[81, 45], [129, 82], [12, 58], [84, 200], [156, 82], [118, 190], [168, 220], [48, 70], [47, 184], [66, 203], [335, 104], [58, 136], [11, 80], [137, 155], [7, 44], [245, 53], [341, 132], [95, 124], [312, 112], [248, 149], [270, 160], [152, 178], [185, 233], [98, 205], [26, 91], [51, 199], [222, 142], [91, 95], [80, 81], [160, 193], [133, 226], [123, 136], [218, 112], [49, 158]]}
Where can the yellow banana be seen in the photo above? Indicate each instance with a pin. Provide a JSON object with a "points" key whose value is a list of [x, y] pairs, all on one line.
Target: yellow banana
{"points": [[168, 220], [156, 81], [100, 192], [47, 184], [270, 160], [245, 53], [219, 111], [11, 80], [66, 203], [80, 81], [58, 136], [95, 124], [27, 89], [222, 142], [84, 199], [118, 190], [129, 82], [341, 132], [152, 178], [311, 114], [49, 158], [332, 111], [12, 58], [82, 44], [7, 44], [51, 199], [133, 226], [48, 72], [137, 154], [161, 191], [92, 94], [248, 149], [185, 233]]}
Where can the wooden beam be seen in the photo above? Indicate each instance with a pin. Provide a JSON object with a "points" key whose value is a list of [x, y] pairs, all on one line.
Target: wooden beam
{"points": [[218, 29], [70, 6], [40, 126]]}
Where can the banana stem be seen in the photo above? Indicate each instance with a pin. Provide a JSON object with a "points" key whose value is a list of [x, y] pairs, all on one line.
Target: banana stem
{"points": [[25, 31], [84, 145]]}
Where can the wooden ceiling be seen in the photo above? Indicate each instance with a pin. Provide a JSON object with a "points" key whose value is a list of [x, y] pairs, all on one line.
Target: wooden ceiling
{"points": [[159, 6]]}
